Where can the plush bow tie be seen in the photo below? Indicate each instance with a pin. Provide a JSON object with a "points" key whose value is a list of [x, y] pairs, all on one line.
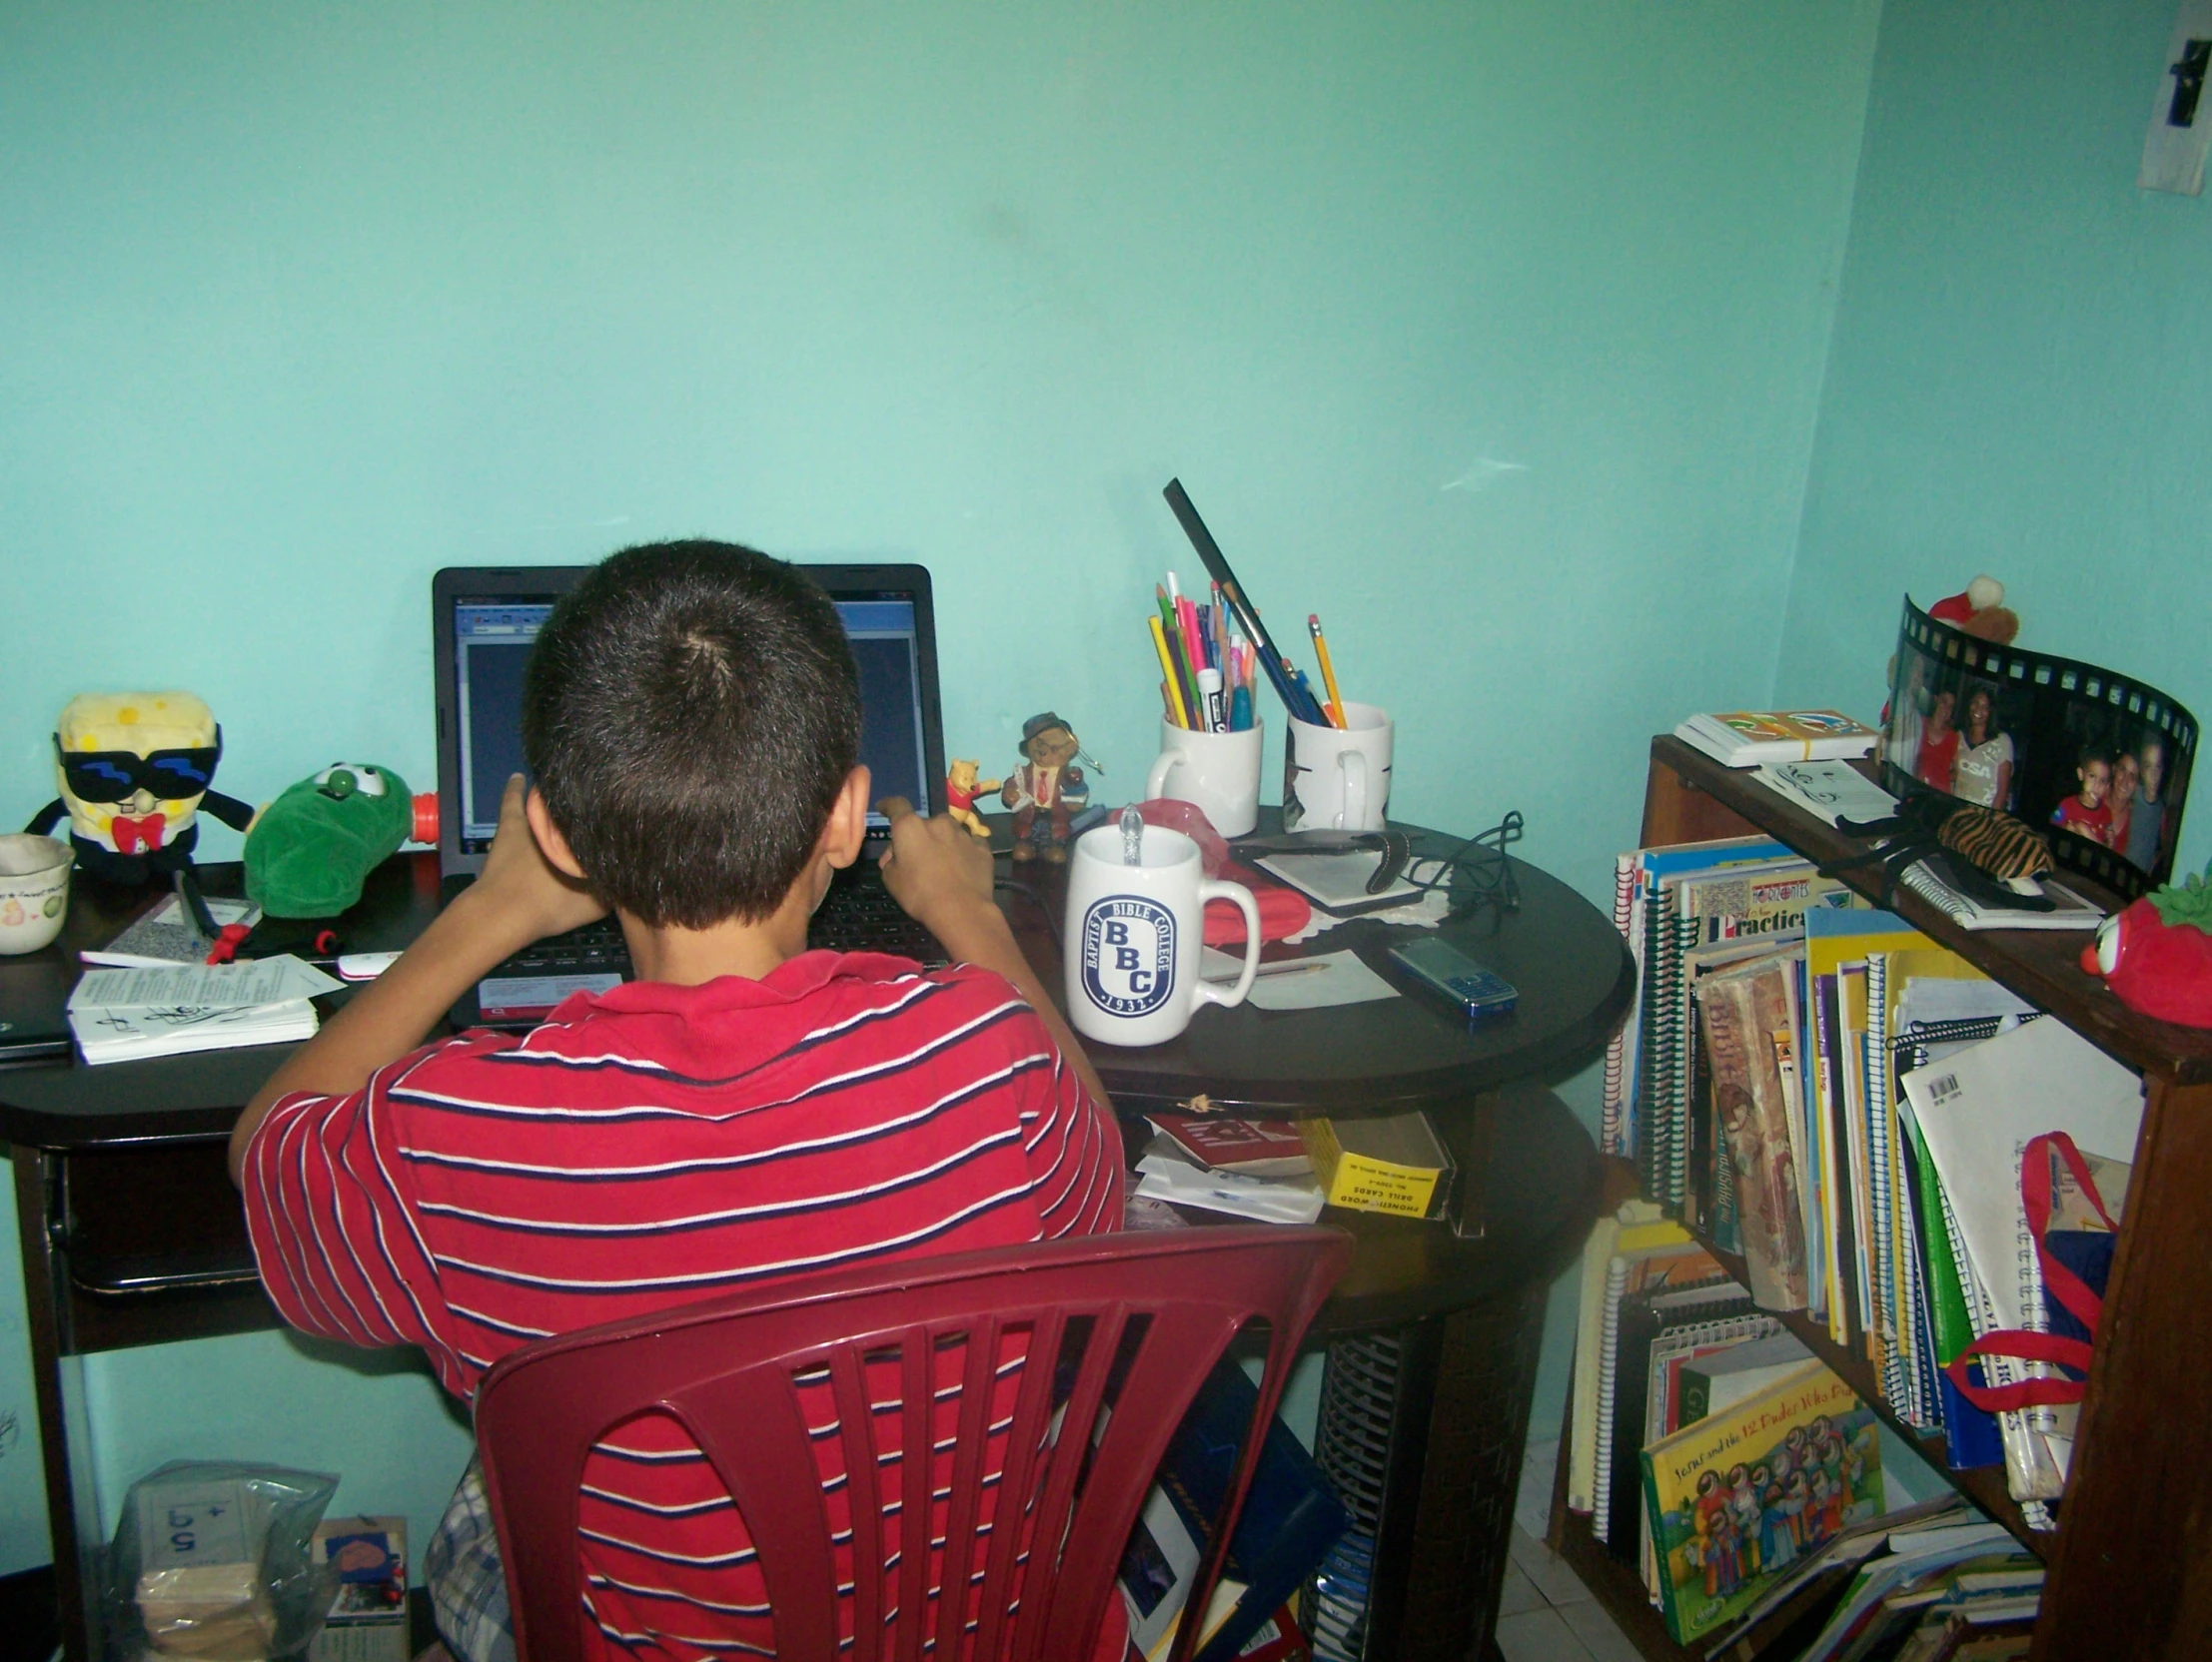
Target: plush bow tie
{"points": [[133, 832]]}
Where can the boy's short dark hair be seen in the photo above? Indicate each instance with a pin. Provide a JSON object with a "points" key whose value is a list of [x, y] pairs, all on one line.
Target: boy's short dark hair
{"points": [[690, 711], [2092, 752]]}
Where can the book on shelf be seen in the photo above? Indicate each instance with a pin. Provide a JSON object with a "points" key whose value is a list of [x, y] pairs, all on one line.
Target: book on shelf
{"points": [[1659, 1267], [1970, 1572], [1635, 1226], [1935, 880], [1735, 1499], [1645, 1316], [1636, 876], [1745, 1009], [1829, 791], [1746, 738], [1710, 1384]]}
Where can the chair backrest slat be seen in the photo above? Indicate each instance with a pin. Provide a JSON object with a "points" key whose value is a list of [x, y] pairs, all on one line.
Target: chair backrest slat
{"points": [[727, 1371]]}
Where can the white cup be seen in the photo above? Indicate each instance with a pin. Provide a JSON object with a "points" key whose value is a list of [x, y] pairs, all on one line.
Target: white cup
{"points": [[34, 890], [1338, 779], [1134, 935], [1217, 772]]}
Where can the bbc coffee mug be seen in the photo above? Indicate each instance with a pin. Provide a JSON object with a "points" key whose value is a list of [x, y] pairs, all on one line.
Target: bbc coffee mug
{"points": [[1338, 779], [1135, 932], [1217, 772]]}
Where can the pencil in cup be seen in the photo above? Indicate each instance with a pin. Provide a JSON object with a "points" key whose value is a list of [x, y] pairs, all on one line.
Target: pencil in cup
{"points": [[1173, 683], [1334, 709]]}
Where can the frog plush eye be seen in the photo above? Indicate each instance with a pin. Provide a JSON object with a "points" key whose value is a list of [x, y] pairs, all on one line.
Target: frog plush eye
{"points": [[343, 779]]}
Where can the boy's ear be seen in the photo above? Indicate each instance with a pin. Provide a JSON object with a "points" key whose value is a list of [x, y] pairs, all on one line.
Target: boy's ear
{"points": [[551, 842], [845, 832]]}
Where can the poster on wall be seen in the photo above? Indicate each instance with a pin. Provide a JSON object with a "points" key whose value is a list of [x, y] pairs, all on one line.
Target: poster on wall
{"points": [[2097, 760]]}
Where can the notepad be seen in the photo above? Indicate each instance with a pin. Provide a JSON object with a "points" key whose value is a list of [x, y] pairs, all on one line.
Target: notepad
{"points": [[1337, 881]]}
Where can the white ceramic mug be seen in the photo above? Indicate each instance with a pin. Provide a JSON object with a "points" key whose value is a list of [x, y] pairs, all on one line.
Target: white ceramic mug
{"points": [[1217, 772], [1338, 779], [1134, 935], [34, 890]]}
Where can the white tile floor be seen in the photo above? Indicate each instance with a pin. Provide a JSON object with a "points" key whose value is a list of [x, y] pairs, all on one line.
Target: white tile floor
{"points": [[1545, 1614]]}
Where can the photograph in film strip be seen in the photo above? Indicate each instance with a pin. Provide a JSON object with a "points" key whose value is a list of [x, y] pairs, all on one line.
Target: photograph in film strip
{"points": [[2096, 760]]}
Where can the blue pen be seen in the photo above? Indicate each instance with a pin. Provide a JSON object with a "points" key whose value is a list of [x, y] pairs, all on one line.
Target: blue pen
{"points": [[1313, 716], [1240, 710]]}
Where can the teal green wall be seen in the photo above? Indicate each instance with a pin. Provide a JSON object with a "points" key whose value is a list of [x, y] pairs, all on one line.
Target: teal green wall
{"points": [[2018, 379], [1492, 332]]}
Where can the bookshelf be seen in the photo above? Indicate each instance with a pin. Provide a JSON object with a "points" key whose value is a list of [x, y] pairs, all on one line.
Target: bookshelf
{"points": [[2131, 1561]]}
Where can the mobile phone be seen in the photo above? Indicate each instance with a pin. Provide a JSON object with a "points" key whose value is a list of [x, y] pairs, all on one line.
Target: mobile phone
{"points": [[1476, 992]]}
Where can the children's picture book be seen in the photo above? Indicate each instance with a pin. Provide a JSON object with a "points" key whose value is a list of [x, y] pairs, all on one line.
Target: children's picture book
{"points": [[1737, 1498], [1746, 738]]}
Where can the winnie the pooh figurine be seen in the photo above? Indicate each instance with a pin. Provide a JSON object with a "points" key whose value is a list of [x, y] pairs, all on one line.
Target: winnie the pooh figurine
{"points": [[962, 787]]}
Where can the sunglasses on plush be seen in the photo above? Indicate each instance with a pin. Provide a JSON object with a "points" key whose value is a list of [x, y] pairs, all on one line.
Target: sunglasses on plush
{"points": [[119, 775]]}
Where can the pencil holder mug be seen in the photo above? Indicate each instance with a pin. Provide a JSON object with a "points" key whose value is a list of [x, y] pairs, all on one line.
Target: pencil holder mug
{"points": [[1338, 778], [1217, 772], [1133, 934], [34, 890]]}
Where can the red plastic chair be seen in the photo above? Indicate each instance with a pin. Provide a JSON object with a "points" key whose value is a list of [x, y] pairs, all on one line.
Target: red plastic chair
{"points": [[1164, 1306]]}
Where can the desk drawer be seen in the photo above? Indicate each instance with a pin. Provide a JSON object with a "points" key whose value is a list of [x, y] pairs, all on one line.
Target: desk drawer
{"points": [[135, 1222]]}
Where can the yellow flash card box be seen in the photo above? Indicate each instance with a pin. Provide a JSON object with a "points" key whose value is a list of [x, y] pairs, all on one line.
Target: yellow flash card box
{"points": [[1396, 1165]]}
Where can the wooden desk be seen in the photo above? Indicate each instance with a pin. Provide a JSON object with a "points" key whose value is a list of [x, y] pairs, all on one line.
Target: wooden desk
{"points": [[132, 1234]]}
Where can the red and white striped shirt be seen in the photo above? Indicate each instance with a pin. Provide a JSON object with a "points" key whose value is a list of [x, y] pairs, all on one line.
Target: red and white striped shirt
{"points": [[656, 1144]]}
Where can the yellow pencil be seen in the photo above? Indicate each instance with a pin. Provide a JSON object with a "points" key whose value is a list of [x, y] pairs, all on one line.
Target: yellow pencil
{"points": [[1328, 670], [1175, 690]]}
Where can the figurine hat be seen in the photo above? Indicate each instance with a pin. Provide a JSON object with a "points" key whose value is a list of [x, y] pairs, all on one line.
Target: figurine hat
{"points": [[1042, 724]]}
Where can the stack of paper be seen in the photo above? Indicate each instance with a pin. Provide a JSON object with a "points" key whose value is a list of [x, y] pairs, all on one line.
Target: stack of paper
{"points": [[129, 1015], [1167, 1173]]}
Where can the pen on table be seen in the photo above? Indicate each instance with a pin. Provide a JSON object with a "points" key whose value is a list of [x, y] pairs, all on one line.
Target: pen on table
{"points": [[1282, 965], [1328, 672], [192, 911]]}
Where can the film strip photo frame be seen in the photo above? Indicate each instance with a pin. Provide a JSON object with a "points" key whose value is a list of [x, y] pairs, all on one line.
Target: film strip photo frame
{"points": [[2055, 741]]}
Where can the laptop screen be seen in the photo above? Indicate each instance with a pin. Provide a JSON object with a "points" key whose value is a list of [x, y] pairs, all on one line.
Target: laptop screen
{"points": [[491, 639]]}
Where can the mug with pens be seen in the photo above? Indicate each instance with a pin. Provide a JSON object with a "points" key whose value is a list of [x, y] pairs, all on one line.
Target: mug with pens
{"points": [[1337, 755], [1210, 735]]}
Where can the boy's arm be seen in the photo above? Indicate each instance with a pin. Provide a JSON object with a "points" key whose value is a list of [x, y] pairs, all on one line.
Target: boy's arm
{"points": [[942, 877], [518, 898]]}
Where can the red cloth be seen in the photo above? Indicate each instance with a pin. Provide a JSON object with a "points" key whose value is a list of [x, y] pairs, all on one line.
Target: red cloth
{"points": [[653, 1145], [1282, 911]]}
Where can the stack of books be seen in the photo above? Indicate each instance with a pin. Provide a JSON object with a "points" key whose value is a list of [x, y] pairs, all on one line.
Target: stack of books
{"points": [[1256, 1169], [132, 1014], [1821, 1088], [1290, 1520]]}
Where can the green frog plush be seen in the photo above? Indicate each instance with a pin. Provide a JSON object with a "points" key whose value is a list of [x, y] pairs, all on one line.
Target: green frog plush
{"points": [[310, 850]]}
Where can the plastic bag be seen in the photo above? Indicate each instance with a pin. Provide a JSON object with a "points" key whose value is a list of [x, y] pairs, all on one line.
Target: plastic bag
{"points": [[211, 1561]]}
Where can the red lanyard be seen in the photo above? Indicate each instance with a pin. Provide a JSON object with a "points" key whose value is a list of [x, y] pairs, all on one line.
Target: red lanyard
{"points": [[2059, 1283]]}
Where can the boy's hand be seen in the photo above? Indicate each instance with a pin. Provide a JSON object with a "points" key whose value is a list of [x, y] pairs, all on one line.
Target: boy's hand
{"points": [[935, 869], [520, 886]]}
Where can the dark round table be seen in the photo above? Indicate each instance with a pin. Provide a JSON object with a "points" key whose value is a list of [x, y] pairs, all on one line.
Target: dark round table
{"points": [[1449, 1314]]}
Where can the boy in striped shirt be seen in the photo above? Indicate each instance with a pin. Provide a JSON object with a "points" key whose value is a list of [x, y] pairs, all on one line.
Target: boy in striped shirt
{"points": [[744, 1109]]}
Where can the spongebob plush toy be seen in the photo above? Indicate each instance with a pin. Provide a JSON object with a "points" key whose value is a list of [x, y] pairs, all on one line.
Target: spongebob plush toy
{"points": [[311, 850], [135, 770]]}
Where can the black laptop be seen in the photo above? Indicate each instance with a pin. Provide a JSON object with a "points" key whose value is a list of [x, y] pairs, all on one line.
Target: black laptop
{"points": [[484, 622]]}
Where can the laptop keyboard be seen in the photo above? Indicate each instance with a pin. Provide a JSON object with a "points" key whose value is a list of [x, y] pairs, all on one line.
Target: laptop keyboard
{"points": [[859, 914], [596, 946]]}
